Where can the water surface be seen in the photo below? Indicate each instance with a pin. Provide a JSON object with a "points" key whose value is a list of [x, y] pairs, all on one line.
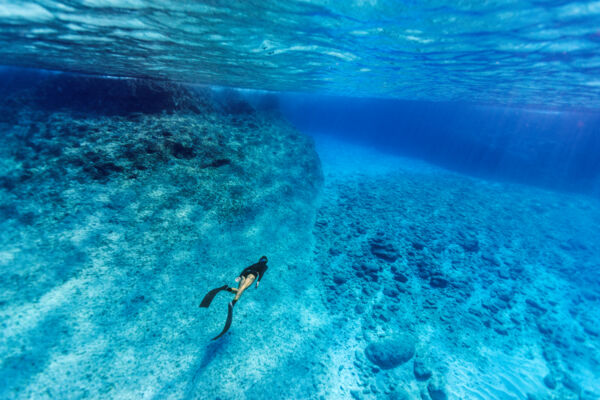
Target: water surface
{"points": [[508, 52]]}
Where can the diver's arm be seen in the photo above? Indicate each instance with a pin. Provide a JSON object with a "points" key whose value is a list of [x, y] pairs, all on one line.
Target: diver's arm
{"points": [[260, 275], [258, 278]]}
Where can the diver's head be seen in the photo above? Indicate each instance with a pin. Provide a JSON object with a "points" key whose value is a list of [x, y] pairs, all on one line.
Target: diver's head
{"points": [[263, 260]]}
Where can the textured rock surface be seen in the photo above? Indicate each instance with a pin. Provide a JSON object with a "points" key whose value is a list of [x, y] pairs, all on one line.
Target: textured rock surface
{"points": [[391, 352], [437, 389], [122, 203], [485, 278], [383, 248], [421, 370], [114, 223]]}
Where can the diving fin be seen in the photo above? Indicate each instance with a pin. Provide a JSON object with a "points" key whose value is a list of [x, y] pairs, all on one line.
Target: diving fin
{"points": [[211, 295], [228, 322]]}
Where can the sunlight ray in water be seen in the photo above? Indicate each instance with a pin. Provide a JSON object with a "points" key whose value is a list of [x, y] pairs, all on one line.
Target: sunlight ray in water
{"points": [[307, 199]]}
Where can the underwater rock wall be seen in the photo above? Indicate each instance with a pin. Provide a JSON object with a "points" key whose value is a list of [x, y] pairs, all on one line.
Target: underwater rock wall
{"points": [[122, 202]]}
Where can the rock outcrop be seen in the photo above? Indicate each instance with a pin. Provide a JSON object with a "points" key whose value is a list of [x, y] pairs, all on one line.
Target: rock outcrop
{"points": [[122, 202], [391, 352]]}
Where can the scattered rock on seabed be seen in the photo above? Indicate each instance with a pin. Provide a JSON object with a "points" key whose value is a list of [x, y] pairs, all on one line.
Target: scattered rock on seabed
{"points": [[437, 389], [384, 248], [481, 273], [587, 394], [391, 352], [421, 370], [550, 381]]}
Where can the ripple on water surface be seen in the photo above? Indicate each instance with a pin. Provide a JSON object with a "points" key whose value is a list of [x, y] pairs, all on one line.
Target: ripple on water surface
{"points": [[513, 52]]}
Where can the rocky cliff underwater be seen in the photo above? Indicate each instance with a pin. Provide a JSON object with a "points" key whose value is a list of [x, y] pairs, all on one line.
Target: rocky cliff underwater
{"points": [[123, 201]]}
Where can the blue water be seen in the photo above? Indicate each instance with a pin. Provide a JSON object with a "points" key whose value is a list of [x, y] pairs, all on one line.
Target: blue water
{"points": [[499, 52], [422, 176], [533, 146]]}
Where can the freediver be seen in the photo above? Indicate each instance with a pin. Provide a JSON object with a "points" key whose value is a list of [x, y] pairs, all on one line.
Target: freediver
{"points": [[250, 274], [247, 276]]}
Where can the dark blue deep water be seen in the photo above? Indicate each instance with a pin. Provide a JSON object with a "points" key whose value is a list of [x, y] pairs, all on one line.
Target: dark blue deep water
{"points": [[545, 147], [422, 177]]}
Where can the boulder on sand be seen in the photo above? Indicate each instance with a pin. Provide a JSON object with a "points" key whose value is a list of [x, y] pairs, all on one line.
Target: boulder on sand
{"points": [[391, 352]]}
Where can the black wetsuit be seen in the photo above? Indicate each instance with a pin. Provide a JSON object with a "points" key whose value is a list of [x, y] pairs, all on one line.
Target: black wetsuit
{"points": [[257, 270]]}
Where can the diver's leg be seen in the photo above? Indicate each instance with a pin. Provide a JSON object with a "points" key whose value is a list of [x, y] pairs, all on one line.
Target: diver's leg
{"points": [[237, 290], [244, 284], [240, 284]]}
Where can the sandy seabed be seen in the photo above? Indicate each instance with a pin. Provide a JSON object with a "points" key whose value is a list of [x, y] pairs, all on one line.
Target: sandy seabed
{"points": [[389, 278], [443, 286]]}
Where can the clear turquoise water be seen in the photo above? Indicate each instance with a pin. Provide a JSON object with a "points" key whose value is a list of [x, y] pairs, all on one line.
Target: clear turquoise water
{"points": [[506, 52], [445, 248]]}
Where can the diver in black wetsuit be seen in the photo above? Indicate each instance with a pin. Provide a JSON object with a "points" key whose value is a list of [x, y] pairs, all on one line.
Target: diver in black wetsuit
{"points": [[250, 274]]}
